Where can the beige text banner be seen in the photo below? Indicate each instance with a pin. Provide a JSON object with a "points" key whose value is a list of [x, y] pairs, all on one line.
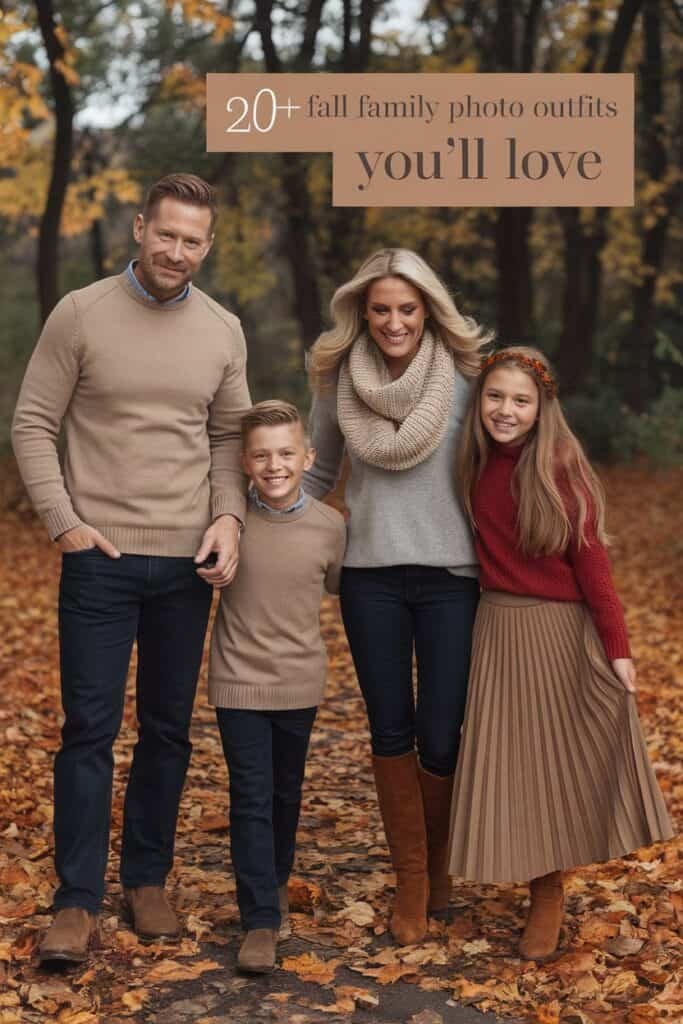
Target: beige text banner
{"points": [[440, 139]]}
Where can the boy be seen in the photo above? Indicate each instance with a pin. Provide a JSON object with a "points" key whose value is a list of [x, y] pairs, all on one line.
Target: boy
{"points": [[268, 664]]}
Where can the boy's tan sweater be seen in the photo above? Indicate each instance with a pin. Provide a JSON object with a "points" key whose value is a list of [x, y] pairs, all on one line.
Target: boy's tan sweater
{"points": [[266, 649], [150, 396]]}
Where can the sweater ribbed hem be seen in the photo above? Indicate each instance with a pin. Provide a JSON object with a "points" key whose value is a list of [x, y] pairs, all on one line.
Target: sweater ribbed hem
{"points": [[278, 697], [60, 519], [141, 540]]}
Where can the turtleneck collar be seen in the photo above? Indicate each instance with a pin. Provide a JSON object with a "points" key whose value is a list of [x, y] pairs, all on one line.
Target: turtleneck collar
{"points": [[506, 451]]}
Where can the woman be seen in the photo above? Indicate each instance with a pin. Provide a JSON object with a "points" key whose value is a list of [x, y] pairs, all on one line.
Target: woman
{"points": [[391, 382]]}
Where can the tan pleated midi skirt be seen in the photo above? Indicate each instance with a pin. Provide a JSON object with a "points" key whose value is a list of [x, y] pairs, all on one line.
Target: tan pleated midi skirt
{"points": [[553, 770]]}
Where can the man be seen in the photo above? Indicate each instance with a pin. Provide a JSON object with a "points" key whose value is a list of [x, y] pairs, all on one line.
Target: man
{"points": [[147, 374]]}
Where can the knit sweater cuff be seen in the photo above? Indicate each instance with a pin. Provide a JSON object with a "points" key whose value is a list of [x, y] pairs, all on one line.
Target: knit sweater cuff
{"points": [[229, 504], [616, 644], [60, 519]]}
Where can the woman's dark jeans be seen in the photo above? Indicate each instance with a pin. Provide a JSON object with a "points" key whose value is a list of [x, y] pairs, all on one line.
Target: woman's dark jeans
{"points": [[387, 613]]}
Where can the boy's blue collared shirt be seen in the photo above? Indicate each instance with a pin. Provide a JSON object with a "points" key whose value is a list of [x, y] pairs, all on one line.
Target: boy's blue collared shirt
{"points": [[258, 503], [130, 270]]}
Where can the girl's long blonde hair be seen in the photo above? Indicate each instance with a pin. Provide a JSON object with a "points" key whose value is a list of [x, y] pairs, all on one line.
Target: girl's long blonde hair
{"points": [[554, 485], [460, 333]]}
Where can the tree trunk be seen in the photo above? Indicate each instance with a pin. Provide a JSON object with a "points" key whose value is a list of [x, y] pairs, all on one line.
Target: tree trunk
{"points": [[584, 244], [640, 383], [582, 282], [299, 245], [48, 239], [342, 255], [513, 253], [307, 301], [92, 163], [513, 260], [367, 13], [347, 48]]}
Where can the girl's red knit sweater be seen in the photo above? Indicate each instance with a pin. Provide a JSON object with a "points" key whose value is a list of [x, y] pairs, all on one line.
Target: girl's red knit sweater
{"points": [[578, 574]]}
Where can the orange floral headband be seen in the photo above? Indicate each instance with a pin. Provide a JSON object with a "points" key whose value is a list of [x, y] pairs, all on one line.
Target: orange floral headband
{"points": [[541, 372]]}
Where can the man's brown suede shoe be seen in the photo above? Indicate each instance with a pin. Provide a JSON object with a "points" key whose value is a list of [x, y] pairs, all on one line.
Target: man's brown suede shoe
{"points": [[257, 952], [151, 914], [68, 937]]}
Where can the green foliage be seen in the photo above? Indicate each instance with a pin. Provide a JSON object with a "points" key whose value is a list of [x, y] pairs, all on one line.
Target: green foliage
{"points": [[659, 430], [611, 432], [603, 424]]}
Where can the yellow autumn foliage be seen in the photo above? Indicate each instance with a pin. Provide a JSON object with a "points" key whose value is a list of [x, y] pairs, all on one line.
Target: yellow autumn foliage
{"points": [[204, 11], [182, 85], [22, 196], [19, 99]]}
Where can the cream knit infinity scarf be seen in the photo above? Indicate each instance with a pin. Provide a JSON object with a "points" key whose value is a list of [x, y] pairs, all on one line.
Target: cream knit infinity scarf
{"points": [[395, 424]]}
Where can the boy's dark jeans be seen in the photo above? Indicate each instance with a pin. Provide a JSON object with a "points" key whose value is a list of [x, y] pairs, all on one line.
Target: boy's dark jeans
{"points": [[106, 604], [388, 611], [266, 756]]}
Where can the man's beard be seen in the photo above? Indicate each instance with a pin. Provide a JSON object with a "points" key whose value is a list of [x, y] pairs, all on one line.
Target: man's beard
{"points": [[154, 274]]}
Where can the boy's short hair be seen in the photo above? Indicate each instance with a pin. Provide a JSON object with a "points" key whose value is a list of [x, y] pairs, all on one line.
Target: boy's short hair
{"points": [[271, 413]]}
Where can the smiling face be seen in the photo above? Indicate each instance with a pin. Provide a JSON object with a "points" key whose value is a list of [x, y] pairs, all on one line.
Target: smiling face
{"points": [[509, 404], [395, 312], [173, 241], [275, 459]]}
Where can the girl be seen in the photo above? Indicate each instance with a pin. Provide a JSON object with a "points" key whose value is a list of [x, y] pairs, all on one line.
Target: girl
{"points": [[391, 381], [553, 771]]}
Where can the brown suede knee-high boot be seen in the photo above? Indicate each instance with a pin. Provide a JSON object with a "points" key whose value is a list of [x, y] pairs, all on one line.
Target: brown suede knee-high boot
{"points": [[542, 929], [400, 802], [436, 797]]}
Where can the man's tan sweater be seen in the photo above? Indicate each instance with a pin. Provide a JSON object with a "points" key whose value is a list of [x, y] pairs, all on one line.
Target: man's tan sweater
{"points": [[151, 397], [266, 649]]}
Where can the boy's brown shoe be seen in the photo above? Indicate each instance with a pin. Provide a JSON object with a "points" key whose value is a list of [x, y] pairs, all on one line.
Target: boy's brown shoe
{"points": [[151, 914], [257, 952], [68, 937]]}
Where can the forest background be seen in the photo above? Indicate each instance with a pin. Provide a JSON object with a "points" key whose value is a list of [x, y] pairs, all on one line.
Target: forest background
{"points": [[102, 97]]}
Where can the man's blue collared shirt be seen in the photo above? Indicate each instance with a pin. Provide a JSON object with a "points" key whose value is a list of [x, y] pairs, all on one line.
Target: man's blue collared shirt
{"points": [[130, 270]]}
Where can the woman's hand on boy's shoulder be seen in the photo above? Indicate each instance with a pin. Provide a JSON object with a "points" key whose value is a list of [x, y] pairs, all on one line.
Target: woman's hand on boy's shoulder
{"points": [[625, 671]]}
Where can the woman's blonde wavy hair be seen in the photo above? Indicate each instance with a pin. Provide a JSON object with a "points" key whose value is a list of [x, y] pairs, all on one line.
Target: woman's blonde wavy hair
{"points": [[554, 485], [460, 333]]}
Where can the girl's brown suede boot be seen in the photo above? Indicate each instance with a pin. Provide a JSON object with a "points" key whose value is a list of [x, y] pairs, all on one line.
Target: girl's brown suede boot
{"points": [[542, 931]]}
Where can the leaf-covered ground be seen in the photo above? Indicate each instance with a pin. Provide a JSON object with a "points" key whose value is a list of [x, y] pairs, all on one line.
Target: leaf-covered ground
{"points": [[621, 957]]}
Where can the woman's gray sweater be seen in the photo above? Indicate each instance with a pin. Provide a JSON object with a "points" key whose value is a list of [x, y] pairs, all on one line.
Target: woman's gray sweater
{"points": [[409, 517]]}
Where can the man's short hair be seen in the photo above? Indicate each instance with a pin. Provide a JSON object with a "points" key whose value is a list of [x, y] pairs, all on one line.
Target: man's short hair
{"points": [[186, 188], [271, 413]]}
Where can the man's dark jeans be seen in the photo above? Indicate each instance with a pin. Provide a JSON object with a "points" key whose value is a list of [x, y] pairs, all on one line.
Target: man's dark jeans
{"points": [[389, 611], [266, 756], [106, 604]]}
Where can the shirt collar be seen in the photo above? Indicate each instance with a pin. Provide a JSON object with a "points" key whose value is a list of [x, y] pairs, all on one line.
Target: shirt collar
{"points": [[132, 277], [263, 507]]}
